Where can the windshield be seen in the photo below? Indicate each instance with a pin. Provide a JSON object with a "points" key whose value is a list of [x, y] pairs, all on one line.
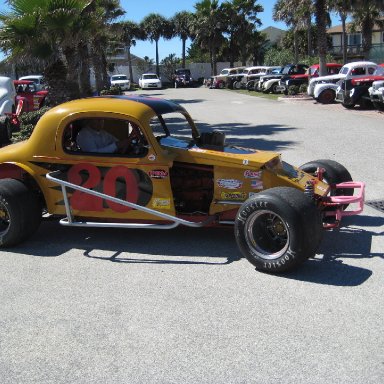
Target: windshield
{"points": [[120, 77], [173, 130], [150, 76], [379, 71]]}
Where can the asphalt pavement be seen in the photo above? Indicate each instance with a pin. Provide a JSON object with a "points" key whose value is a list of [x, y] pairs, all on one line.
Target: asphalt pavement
{"points": [[83, 305]]}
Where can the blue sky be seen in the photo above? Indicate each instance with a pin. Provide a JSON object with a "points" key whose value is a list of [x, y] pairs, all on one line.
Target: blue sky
{"points": [[136, 10]]}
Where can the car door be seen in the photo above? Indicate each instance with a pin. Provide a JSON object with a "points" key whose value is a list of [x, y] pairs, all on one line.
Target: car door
{"points": [[139, 176]]}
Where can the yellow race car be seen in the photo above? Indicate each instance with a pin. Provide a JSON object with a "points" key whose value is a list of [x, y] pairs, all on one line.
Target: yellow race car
{"points": [[167, 174]]}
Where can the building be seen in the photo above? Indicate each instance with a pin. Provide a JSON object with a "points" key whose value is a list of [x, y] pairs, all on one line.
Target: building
{"points": [[354, 43]]}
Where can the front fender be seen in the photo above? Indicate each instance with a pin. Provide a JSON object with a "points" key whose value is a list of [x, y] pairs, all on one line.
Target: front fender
{"points": [[6, 107], [321, 87]]}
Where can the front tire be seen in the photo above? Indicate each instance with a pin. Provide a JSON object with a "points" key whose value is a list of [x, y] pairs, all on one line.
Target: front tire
{"points": [[335, 173], [327, 96], [5, 131], [20, 212], [278, 229]]}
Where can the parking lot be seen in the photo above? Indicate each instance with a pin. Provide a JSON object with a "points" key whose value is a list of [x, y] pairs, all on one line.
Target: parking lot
{"points": [[82, 305]]}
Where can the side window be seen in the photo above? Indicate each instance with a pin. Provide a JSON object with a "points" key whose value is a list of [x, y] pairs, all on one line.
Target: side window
{"points": [[105, 137], [371, 70], [358, 71]]}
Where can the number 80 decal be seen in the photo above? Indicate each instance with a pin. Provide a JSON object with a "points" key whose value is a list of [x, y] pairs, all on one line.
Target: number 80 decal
{"points": [[108, 185]]}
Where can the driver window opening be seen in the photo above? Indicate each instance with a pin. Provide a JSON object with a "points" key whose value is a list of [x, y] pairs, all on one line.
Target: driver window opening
{"points": [[105, 137]]}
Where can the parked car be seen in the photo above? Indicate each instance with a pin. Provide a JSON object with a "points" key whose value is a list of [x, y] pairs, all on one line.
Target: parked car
{"points": [[121, 81], [376, 94], [183, 78], [150, 81], [251, 75], [32, 99], [8, 118], [270, 84], [300, 79], [323, 88], [172, 175], [355, 91], [227, 77], [37, 79]]}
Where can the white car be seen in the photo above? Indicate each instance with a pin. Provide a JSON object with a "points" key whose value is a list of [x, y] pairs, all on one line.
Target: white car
{"points": [[7, 109], [324, 88], [37, 79], [121, 81], [376, 94], [149, 81]]}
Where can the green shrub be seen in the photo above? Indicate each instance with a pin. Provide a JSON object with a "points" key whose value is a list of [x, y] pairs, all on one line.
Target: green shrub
{"points": [[28, 121], [114, 90], [303, 88], [293, 90]]}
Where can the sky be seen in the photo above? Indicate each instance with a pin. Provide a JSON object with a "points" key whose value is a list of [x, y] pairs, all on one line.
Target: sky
{"points": [[136, 10]]}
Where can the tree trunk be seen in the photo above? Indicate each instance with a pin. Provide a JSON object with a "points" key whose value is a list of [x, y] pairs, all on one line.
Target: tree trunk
{"points": [[321, 21], [157, 58], [344, 37], [296, 46], [183, 52], [130, 63]]}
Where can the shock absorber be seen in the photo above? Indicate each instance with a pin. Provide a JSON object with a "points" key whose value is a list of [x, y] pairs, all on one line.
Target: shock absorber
{"points": [[309, 189]]}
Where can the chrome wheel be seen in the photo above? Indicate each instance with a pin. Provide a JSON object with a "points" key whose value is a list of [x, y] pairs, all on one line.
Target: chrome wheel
{"points": [[267, 235]]}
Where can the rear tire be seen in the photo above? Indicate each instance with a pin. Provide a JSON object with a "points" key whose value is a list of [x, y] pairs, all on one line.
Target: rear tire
{"points": [[379, 106], [278, 229], [20, 212]]}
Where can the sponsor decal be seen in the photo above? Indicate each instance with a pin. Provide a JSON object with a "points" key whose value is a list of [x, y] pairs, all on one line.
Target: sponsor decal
{"points": [[161, 203], [257, 184], [245, 162], [158, 174], [249, 174], [229, 183], [233, 195], [152, 157]]}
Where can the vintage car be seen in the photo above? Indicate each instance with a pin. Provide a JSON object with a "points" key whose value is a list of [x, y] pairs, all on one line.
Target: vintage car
{"points": [[355, 91], [170, 175], [121, 81], [270, 84], [227, 77], [323, 89], [37, 79], [376, 94], [27, 92], [251, 75], [9, 110], [298, 80], [182, 78], [150, 81]]}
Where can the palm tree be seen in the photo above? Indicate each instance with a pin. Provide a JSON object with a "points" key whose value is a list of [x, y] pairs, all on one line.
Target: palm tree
{"points": [[342, 7], [130, 32], [321, 16], [156, 26], [365, 15], [183, 22], [286, 11], [209, 28], [59, 35], [241, 19]]}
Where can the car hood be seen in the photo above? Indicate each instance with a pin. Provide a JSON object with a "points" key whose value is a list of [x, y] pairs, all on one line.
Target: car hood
{"points": [[119, 81], [329, 77]]}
